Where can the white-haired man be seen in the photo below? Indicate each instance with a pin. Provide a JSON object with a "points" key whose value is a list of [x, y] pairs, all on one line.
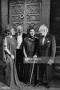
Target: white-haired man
{"points": [[47, 50]]}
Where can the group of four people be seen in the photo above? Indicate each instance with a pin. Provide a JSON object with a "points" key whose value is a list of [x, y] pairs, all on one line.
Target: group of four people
{"points": [[30, 45]]}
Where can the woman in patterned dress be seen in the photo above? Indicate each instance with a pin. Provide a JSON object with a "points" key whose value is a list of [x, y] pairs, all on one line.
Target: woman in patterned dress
{"points": [[10, 58]]}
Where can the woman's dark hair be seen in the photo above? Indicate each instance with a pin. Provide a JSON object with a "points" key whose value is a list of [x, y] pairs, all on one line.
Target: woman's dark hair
{"points": [[28, 30]]}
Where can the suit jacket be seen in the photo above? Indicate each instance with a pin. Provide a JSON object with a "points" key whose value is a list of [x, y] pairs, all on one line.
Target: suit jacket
{"points": [[48, 49]]}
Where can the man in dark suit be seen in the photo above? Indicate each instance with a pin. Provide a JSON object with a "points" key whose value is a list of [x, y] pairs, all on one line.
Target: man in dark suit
{"points": [[46, 50]]}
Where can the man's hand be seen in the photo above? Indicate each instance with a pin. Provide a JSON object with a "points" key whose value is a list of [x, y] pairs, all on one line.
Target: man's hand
{"points": [[51, 61], [26, 58], [34, 57]]}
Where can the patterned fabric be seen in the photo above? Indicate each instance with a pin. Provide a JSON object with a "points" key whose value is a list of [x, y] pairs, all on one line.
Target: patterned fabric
{"points": [[10, 71], [30, 46]]}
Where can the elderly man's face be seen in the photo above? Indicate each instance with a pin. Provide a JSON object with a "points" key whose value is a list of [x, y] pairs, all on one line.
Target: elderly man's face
{"points": [[43, 32], [20, 29]]}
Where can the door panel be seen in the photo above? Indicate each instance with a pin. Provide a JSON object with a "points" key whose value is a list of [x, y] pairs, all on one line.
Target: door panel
{"points": [[16, 12], [25, 12]]}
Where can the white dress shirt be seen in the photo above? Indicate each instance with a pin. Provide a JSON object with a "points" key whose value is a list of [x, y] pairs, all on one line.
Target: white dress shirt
{"points": [[43, 40], [19, 41]]}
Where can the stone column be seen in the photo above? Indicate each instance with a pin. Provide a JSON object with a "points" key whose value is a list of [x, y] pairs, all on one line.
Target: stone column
{"points": [[45, 12], [4, 13]]}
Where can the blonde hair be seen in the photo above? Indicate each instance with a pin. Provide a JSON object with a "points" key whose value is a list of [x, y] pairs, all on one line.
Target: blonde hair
{"points": [[43, 27], [8, 28], [19, 28]]}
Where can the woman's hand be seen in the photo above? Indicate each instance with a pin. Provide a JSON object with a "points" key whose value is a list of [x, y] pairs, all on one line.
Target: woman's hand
{"points": [[12, 56]]}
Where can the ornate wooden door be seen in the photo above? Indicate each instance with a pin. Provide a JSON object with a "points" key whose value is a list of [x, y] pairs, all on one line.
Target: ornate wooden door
{"points": [[25, 12]]}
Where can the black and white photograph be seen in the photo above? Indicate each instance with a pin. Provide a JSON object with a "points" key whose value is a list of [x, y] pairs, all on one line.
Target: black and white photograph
{"points": [[29, 45]]}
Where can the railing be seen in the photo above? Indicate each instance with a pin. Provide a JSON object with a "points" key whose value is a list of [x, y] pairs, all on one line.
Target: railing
{"points": [[36, 60]]}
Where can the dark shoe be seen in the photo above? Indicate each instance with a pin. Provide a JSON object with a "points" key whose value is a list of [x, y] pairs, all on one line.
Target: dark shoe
{"points": [[46, 85], [39, 84], [28, 84], [34, 84]]}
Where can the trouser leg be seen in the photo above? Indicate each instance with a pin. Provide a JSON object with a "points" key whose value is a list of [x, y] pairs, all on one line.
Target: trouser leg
{"points": [[21, 72], [35, 74], [26, 73], [41, 72], [17, 61], [49, 72]]}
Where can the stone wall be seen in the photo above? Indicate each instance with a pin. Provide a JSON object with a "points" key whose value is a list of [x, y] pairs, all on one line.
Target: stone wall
{"points": [[4, 13]]}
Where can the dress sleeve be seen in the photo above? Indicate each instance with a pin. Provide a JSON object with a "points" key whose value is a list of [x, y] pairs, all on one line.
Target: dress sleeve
{"points": [[5, 47], [5, 43]]}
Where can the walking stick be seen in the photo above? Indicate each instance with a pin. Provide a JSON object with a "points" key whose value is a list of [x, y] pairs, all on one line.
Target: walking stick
{"points": [[32, 72]]}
